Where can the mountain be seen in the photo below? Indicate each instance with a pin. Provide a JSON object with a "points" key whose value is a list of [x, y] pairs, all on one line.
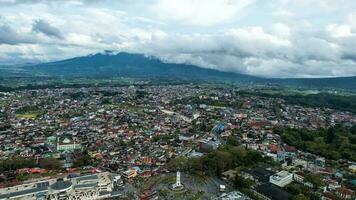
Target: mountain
{"points": [[131, 65], [124, 64]]}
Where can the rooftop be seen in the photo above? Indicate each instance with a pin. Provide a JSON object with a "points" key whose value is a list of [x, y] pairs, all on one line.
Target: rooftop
{"points": [[273, 192], [23, 193], [61, 185]]}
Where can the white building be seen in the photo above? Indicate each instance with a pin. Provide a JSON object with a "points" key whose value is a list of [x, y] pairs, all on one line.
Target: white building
{"points": [[67, 145], [235, 195], [89, 187], [281, 179]]}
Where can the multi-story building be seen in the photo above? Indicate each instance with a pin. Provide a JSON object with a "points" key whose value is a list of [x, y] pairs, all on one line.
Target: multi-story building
{"points": [[281, 179], [88, 187], [67, 145]]}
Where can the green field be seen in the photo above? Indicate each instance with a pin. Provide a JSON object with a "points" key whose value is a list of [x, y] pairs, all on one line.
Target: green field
{"points": [[28, 115]]}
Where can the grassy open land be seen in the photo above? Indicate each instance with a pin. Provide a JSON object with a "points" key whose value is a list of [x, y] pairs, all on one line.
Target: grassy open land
{"points": [[28, 115]]}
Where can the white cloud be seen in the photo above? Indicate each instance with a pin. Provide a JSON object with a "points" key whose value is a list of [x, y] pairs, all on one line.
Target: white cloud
{"points": [[283, 13], [340, 30], [282, 30], [199, 12]]}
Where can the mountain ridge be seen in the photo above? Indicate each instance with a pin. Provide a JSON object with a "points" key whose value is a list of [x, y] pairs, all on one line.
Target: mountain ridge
{"points": [[134, 65]]}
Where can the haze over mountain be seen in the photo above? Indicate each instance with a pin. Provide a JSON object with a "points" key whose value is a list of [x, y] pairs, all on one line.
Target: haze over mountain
{"points": [[123, 64]]}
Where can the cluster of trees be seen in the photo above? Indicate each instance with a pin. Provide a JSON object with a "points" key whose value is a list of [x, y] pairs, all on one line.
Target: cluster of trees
{"points": [[5, 127], [110, 93], [83, 160], [5, 89], [75, 95], [15, 163], [337, 142], [141, 94], [347, 103], [203, 126], [18, 163], [165, 138], [216, 162], [301, 192], [27, 109]]}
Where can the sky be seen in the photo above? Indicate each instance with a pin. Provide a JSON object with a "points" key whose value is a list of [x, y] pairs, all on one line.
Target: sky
{"points": [[268, 38]]}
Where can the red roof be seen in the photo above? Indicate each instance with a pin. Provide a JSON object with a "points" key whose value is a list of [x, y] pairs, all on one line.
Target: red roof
{"points": [[290, 148], [345, 191], [273, 148]]}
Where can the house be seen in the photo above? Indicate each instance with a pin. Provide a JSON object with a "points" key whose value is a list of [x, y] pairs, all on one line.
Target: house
{"points": [[258, 174], [328, 196], [352, 168], [129, 174], [229, 175], [298, 177], [345, 193]]}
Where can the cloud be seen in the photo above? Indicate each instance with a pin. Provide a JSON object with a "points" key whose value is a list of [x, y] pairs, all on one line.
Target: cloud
{"points": [[282, 38], [41, 26], [283, 13], [199, 12], [9, 36], [257, 51], [17, 2]]}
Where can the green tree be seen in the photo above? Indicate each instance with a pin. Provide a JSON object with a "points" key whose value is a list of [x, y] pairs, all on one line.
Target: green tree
{"points": [[179, 163], [232, 141], [83, 160], [50, 163], [240, 182], [300, 197], [314, 179]]}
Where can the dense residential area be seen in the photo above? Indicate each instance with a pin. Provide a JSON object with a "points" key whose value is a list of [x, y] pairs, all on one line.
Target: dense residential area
{"points": [[129, 142]]}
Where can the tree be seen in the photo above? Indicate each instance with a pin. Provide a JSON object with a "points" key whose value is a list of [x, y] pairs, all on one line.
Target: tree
{"points": [[332, 143], [294, 189], [179, 163], [195, 165], [253, 157], [330, 135], [314, 179], [300, 197], [240, 182], [163, 193], [232, 141], [353, 130], [83, 160], [50, 163], [16, 163]]}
